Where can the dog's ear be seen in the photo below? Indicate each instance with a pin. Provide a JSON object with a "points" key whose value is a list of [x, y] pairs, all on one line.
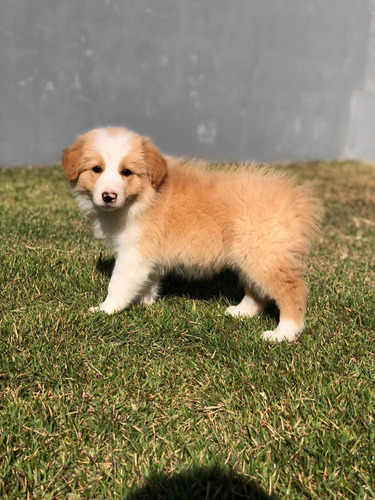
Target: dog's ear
{"points": [[155, 161], [71, 161]]}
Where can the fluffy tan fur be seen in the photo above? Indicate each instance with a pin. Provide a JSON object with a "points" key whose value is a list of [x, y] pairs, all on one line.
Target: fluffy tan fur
{"points": [[256, 222], [252, 220]]}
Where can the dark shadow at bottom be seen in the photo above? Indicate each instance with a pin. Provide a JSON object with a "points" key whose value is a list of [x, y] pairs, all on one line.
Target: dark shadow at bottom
{"points": [[223, 284], [201, 483]]}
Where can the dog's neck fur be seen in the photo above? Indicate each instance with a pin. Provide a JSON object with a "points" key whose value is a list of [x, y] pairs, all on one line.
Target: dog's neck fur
{"points": [[120, 227]]}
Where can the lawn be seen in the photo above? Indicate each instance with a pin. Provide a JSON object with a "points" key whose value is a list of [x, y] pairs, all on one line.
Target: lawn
{"points": [[178, 400]]}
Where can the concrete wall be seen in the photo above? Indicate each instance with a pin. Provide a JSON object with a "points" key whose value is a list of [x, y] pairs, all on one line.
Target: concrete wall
{"points": [[247, 79], [361, 134]]}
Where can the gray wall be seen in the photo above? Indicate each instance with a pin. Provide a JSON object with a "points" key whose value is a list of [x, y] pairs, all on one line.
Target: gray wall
{"points": [[243, 79]]}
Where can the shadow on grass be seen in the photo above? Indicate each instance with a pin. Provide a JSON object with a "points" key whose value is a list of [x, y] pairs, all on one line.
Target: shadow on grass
{"points": [[224, 284], [105, 265], [200, 483]]}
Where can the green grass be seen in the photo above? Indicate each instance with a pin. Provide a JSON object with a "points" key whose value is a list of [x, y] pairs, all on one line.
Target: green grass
{"points": [[178, 400]]}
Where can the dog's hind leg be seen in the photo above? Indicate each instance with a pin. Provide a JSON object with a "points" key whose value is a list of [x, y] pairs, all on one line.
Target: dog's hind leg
{"points": [[281, 282], [291, 297], [150, 293], [250, 305]]}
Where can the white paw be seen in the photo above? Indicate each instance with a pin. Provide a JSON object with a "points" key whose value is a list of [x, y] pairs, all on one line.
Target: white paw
{"points": [[242, 311], [148, 300], [247, 307], [287, 329], [108, 309], [234, 311], [275, 336]]}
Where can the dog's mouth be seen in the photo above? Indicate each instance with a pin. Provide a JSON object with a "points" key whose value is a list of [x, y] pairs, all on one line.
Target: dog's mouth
{"points": [[109, 207]]}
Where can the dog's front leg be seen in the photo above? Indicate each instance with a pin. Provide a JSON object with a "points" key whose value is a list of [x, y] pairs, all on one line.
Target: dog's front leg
{"points": [[129, 277]]}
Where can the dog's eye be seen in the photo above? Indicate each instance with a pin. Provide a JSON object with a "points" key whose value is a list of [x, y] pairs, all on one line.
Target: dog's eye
{"points": [[126, 172], [97, 169]]}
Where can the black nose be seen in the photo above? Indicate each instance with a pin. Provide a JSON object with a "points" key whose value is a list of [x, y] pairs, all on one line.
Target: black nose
{"points": [[109, 197]]}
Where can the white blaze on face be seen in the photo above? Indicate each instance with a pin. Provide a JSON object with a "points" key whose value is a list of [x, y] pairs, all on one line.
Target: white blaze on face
{"points": [[112, 147]]}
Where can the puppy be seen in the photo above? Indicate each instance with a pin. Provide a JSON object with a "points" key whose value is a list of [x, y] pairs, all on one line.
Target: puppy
{"points": [[157, 213]]}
